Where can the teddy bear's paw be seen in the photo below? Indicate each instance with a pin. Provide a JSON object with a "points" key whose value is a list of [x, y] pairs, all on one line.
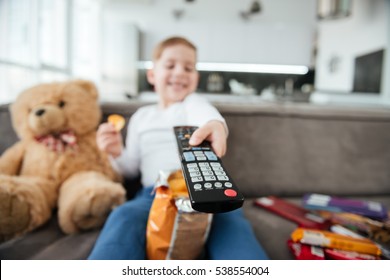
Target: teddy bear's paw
{"points": [[23, 205], [100, 205], [91, 208], [14, 215]]}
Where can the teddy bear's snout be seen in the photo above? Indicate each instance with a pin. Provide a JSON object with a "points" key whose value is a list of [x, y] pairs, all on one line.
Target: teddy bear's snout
{"points": [[39, 112], [46, 120]]}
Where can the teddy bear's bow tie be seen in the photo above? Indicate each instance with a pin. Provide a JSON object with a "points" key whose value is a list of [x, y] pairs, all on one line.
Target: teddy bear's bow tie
{"points": [[59, 142]]}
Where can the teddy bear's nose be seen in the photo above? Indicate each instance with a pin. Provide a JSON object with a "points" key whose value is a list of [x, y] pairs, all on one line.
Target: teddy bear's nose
{"points": [[40, 112]]}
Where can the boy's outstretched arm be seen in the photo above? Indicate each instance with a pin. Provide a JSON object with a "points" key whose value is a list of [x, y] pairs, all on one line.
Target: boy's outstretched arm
{"points": [[213, 131]]}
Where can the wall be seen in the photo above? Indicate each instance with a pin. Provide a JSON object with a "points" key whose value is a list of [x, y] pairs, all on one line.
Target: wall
{"points": [[365, 31], [282, 33]]}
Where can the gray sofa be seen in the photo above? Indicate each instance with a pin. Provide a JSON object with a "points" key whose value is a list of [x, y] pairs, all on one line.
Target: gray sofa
{"points": [[285, 150]]}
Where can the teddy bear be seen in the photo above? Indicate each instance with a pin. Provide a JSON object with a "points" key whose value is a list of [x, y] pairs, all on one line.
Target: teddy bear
{"points": [[56, 164]]}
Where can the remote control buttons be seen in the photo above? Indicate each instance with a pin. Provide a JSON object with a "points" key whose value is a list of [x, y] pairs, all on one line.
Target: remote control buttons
{"points": [[193, 169], [210, 155], [195, 174], [188, 156], [230, 193], [223, 178], [196, 179], [228, 185]]}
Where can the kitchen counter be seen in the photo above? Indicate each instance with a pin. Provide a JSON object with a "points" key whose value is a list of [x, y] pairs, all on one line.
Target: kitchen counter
{"points": [[216, 97], [227, 100]]}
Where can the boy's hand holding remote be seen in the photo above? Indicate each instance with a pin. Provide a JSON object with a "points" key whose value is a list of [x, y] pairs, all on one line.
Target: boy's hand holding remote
{"points": [[215, 133]]}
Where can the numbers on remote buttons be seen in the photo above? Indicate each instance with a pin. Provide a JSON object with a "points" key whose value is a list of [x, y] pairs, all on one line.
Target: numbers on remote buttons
{"points": [[203, 172], [193, 169], [196, 179], [195, 174], [209, 178]]}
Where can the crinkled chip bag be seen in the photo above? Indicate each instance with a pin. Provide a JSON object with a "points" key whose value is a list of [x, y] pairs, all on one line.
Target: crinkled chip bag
{"points": [[175, 231]]}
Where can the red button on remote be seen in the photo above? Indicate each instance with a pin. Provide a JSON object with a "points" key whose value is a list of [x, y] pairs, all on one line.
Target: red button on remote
{"points": [[230, 193]]}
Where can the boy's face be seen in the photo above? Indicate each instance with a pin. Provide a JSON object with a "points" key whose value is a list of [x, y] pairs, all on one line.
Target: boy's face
{"points": [[174, 75]]}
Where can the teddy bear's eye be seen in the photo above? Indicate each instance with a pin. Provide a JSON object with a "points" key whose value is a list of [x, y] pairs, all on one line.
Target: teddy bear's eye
{"points": [[61, 104]]}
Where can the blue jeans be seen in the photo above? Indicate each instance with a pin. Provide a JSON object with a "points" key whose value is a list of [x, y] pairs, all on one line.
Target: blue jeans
{"points": [[123, 236]]}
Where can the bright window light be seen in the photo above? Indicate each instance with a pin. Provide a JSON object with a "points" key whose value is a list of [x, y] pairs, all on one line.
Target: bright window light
{"points": [[242, 67]]}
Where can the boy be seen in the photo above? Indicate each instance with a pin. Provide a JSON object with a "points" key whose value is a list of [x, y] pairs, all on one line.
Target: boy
{"points": [[151, 147]]}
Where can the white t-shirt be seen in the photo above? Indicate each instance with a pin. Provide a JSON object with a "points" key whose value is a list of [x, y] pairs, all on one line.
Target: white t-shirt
{"points": [[151, 144]]}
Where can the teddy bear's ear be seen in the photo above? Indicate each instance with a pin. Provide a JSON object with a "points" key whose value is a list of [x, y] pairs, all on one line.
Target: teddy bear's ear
{"points": [[88, 86]]}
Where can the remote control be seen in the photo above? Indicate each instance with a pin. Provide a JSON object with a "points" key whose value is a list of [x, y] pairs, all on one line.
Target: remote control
{"points": [[210, 187]]}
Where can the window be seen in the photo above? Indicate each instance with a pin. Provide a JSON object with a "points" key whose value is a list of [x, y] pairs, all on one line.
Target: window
{"points": [[34, 36], [46, 40]]}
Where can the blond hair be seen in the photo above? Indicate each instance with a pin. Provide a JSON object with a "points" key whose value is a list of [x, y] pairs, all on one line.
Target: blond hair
{"points": [[172, 41]]}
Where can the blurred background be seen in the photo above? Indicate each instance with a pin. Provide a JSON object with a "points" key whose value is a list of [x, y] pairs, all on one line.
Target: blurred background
{"points": [[323, 51]]}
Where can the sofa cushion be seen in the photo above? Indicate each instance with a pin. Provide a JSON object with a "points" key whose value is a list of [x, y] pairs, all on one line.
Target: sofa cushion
{"points": [[49, 243]]}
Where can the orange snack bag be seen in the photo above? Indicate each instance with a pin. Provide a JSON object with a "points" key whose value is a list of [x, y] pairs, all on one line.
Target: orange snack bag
{"points": [[175, 231], [117, 120], [336, 241]]}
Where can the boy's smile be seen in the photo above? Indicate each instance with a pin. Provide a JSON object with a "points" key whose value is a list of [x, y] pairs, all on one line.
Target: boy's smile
{"points": [[174, 75]]}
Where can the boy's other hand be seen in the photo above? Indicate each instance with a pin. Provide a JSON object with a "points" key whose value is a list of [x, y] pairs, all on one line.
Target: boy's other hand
{"points": [[213, 131], [109, 140]]}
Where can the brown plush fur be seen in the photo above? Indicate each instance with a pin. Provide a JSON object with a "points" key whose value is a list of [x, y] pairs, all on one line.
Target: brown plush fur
{"points": [[35, 179]]}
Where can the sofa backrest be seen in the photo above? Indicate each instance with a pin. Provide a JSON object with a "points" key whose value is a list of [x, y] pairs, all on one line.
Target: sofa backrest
{"points": [[7, 133], [292, 149]]}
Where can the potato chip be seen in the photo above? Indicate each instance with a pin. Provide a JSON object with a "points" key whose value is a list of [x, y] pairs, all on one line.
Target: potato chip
{"points": [[117, 120], [177, 184]]}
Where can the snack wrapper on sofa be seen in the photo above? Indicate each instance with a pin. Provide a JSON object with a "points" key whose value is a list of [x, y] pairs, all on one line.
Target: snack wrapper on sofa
{"points": [[174, 230]]}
